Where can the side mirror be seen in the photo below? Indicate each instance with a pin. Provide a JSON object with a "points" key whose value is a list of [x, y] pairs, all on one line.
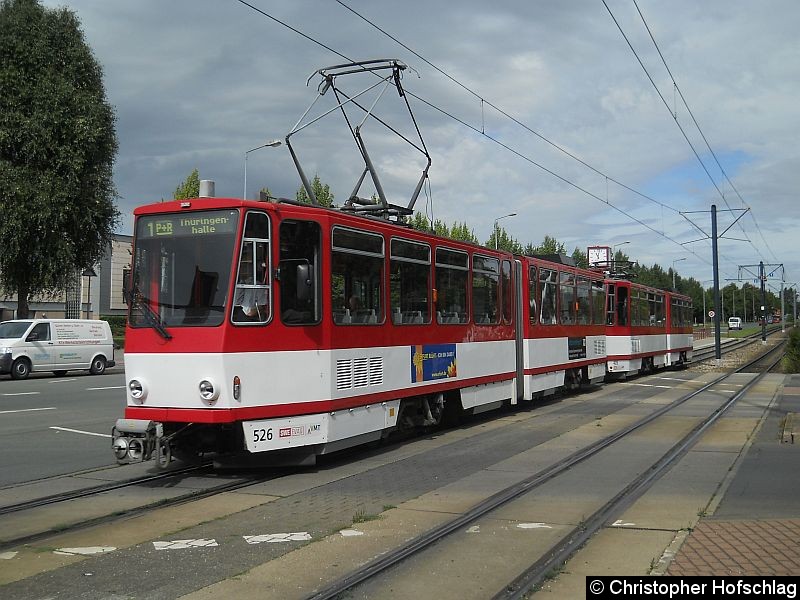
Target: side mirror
{"points": [[305, 281], [32, 337]]}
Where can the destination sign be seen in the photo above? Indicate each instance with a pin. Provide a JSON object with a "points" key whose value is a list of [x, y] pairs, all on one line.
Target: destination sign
{"points": [[212, 222]]}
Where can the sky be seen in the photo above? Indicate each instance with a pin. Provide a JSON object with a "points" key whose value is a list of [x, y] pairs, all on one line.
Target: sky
{"points": [[592, 153]]}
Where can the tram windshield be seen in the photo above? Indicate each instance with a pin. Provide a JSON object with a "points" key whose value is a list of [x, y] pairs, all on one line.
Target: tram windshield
{"points": [[182, 268]]}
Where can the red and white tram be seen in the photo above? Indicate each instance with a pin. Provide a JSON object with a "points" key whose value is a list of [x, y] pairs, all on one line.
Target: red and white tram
{"points": [[647, 328], [259, 327]]}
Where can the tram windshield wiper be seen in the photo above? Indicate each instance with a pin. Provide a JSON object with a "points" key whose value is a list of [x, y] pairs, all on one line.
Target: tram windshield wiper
{"points": [[135, 300]]}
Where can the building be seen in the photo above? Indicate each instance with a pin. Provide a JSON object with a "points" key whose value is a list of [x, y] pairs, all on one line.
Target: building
{"points": [[92, 293]]}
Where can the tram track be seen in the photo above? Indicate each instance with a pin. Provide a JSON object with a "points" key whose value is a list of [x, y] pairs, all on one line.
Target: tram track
{"points": [[559, 553], [117, 508], [97, 489]]}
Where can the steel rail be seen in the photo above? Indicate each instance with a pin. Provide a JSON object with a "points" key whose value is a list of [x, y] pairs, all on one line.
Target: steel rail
{"points": [[94, 490]]}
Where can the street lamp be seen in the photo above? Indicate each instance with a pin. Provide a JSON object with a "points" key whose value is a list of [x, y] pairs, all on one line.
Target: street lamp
{"points": [[271, 144], [674, 287], [495, 227], [620, 244]]}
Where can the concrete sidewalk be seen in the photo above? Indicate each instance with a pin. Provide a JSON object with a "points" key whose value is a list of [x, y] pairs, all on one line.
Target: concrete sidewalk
{"points": [[755, 528]]}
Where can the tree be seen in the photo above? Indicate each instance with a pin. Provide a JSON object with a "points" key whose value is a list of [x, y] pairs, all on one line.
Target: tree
{"points": [[189, 188], [580, 258], [462, 231], [321, 191], [501, 240], [57, 148]]}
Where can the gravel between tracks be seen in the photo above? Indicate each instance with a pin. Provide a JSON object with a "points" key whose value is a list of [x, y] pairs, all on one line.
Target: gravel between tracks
{"points": [[736, 358]]}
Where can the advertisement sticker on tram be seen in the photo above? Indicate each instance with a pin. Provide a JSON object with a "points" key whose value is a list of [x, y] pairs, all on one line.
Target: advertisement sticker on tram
{"points": [[433, 361]]}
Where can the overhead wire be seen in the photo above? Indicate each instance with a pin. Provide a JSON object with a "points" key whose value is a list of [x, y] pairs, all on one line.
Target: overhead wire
{"points": [[482, 132], [675, 117], [700, 130]]}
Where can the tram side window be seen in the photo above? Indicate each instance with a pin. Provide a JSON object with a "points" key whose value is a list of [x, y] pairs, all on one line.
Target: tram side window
{"points": [[660, 317], [548, 287], [409, 282], [452, 277], [583, 301], [299, 272], [485, 289], [252, 301], [356, 277], [533, 315], [598, 303], [639, 310], [567, 306]]}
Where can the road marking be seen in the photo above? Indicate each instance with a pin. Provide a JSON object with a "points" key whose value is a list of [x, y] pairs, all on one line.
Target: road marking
{"points": [[621, 523], [184, 544], [272, 538], [84, 551], [533, 526], [22, 394], [4, 412], [113, 387], [663, 387], [106, 435], [351, 532], [62, 380]]}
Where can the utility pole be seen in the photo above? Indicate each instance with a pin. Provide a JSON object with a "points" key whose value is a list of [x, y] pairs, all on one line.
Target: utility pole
{"points": [[763, 302], [763, 278], [715, 261]]}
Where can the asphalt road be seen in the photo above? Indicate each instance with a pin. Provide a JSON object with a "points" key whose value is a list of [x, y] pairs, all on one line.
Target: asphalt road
{"points": [[55, 425]]}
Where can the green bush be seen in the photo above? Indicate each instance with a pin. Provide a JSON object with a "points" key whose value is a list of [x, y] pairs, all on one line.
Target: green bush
{"points": [[791, 362], [117, 323]]}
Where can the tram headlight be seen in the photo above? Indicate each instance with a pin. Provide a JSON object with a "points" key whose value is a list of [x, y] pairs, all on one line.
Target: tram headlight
{"points": [[137, 390], [208, 391], [120, 447]]}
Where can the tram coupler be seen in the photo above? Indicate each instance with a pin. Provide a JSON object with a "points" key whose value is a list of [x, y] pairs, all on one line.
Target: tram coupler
{"points": [[135, 440]]}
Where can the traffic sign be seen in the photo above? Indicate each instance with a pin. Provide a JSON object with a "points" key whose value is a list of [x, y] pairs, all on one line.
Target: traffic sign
{"points": [[711, 313]]}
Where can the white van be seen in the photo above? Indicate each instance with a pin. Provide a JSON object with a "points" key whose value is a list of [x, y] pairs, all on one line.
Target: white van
{"points": [[56, 345], [734, 323]]}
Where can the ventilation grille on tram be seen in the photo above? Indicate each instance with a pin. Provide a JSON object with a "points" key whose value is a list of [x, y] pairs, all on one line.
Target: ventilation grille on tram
{"points": [[359, 372], [599, 347]]}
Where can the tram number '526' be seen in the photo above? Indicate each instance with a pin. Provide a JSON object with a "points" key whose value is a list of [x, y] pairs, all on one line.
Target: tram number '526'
{"points": [[262, 435]]}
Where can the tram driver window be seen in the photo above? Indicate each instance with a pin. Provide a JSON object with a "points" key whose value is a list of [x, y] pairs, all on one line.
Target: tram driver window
{"points": [[357, 277], [252, 296]]}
